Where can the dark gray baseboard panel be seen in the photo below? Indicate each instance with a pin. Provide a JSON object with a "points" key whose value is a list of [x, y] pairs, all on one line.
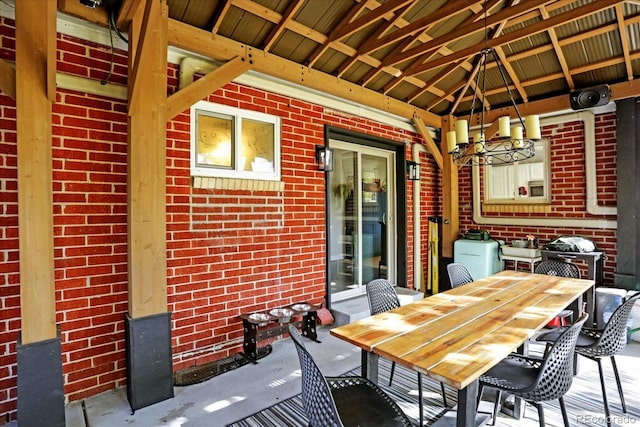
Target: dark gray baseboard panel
{"points": [[40, 384], [149, 364]]}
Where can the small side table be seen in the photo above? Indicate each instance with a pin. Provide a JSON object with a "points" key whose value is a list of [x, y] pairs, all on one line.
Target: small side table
{"points": [[516, 259]]}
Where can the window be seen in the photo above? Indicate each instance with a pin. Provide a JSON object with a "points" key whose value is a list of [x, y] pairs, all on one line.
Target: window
{"points": [[233, 143], [527, 181]]}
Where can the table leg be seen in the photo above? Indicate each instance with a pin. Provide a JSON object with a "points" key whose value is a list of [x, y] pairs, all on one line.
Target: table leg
{"points": [[466, 415], [370, 366]]}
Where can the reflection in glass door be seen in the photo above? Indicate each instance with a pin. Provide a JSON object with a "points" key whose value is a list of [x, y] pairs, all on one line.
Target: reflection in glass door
{"points": [[361, 219]]}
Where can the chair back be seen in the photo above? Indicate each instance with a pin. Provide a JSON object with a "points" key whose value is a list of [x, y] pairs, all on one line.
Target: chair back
{"points": [[382, 296], [458, 274], [317, 399], [556, 372], [558, 268], [614, 335]]}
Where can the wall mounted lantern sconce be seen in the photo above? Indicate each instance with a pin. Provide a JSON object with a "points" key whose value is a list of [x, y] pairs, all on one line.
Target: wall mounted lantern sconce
{"points": [[324, 158], [413, 171]]}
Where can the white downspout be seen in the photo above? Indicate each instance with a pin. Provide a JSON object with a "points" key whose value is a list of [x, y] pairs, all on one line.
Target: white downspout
{"points": [[417, 256]]}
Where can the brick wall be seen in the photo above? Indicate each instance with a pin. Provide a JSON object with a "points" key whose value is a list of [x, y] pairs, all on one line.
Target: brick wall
{"points": [[9, 267], [228, 251], [568, 189]]}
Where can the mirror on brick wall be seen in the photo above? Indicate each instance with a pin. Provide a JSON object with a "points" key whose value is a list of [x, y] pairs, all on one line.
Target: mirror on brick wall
{"points": [[527, 181]]}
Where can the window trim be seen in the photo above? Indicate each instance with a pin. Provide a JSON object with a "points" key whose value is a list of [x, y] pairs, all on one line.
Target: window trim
{"points": [[529, 200], [237, 116]]}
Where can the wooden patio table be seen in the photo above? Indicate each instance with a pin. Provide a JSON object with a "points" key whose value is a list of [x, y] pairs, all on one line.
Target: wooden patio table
{"points": [[457, 335]]}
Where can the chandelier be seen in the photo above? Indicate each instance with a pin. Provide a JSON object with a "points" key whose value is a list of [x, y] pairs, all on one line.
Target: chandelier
{"points": [[512, 144]]}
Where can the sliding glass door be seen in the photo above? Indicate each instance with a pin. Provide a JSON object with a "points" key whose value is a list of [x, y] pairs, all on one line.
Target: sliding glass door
{"points": [[361, 218]]}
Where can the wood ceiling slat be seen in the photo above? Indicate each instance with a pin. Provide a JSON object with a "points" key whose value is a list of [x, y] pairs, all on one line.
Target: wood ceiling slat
{"points": [[524, 32], [476, 69], [558, 50], [382, 29], [538, 36], [463, 31], [282, 25], [399, 77], [353, 12], [369, 18], [220, 17], [428, 85], [446, 12]]}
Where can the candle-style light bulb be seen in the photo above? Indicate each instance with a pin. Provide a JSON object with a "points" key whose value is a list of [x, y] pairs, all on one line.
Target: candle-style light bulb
{"points": [[462, 132]]}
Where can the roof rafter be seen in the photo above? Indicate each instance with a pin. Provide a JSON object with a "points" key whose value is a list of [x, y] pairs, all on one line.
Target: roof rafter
{"points": [[224, 8], [368, 19], [396, 21], [480, 63], [418, 26], [558, 50], [223, 49], [460, 32], [293, 8], [409, 70], [539, 27], [315, 55], [624, 40]]}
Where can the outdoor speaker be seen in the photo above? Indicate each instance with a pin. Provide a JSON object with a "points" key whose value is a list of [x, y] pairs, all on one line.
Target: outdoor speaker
{"points": [[590, 97]]}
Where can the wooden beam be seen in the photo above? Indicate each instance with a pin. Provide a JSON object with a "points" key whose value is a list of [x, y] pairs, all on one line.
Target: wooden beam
{"points": [[624, 40], [558, 50], [128, 9], [429, 86], [147, 165], [619, 91], [527, 31], [464, 31], [220, 13], [35, 169], [51, 24], [390, 25], [214, 80], [7, 79], [222, 49], [450, 194], [319, 50], [367, 19], [440, 14], [279, 28], [431, 145]]}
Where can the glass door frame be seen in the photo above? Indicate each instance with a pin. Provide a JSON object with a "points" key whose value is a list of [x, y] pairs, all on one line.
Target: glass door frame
{"points": [[360, 256], [400, 203]]}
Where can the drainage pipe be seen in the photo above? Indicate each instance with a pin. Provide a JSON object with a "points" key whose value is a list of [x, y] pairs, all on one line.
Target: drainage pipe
{"points": [[417, 256]]}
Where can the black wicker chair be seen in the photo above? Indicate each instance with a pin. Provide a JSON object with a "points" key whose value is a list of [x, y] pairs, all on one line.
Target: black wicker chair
{"points": [[562, 269], [458, 274], [596, 344], [382, 297], [343, 401], [534, 379]]}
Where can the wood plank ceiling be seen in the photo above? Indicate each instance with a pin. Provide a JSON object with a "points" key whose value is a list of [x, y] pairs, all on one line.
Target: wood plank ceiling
{"points": [[426, 52]]}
